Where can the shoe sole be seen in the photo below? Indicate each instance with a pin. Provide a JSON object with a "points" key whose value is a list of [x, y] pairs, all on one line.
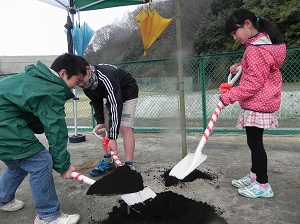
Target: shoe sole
{"points": [[11, 210], [100, 174], [257, 196]]}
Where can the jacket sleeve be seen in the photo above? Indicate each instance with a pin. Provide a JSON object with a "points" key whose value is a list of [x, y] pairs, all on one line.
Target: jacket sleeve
{"points": [[114, 104], [50, 111], [115, 107], [96, 101], [252, 77], [97, 104]]}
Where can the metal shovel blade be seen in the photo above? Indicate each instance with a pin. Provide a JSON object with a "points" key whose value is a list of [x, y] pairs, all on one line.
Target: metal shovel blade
{"points": [[138, 197], [190, 162], [130, 198]]}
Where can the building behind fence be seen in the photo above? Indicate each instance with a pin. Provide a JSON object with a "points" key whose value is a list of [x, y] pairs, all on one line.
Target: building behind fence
{"points": [[158, 105]]}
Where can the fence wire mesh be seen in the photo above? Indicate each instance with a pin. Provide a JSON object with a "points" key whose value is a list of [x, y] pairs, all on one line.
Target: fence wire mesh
{"points": [[158, 105]]}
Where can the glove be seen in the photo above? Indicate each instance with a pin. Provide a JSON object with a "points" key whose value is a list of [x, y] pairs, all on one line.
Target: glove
{"points": [[224, 87]]}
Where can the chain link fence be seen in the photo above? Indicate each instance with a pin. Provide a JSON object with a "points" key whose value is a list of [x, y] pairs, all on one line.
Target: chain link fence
{"points": [[158, 105]]}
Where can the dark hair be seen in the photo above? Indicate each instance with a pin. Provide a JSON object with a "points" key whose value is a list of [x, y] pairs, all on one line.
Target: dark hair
{"points": [[84, 61], [72, 63], [238, 17]]}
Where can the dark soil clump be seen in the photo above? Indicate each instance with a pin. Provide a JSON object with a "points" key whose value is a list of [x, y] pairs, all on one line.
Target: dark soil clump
{"points": [[166, 207], [121, 180], [196, 174]]}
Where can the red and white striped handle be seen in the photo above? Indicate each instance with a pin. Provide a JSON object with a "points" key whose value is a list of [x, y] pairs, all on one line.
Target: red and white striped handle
{"points": [[215, 115], [213, 120], [116, 158], [82, 178], [113, 154]]}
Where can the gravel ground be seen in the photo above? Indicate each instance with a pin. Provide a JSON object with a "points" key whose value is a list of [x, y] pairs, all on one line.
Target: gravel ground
{"points": [[156, 153]]}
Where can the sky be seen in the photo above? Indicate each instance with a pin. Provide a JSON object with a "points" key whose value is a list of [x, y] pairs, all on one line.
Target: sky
{"points": [[32, 27]]}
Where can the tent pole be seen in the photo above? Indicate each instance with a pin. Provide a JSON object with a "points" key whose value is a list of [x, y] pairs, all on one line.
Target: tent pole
{"points": [[181, 80], [76, 138], [74, 90]]}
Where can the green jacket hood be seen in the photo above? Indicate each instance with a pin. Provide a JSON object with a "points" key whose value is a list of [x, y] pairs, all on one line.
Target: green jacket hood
{"points": [[40, 70]]}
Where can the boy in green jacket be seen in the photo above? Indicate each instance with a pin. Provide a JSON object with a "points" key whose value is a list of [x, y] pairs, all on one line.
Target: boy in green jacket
{"points": [[32, 102]]}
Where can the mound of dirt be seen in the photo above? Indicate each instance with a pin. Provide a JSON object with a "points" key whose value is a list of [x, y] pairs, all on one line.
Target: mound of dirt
{"points": [[196, 174], [166, 207], [121, 180]]}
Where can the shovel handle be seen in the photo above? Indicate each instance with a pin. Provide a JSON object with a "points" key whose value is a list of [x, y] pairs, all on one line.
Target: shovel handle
{"points": [[116, 158], [236, 76], [215, 115], [99, 136], [82, 178], [113, 154]]}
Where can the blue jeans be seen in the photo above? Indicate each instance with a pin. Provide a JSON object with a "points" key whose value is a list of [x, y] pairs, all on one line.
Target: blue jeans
{"points": [[44, 196]]}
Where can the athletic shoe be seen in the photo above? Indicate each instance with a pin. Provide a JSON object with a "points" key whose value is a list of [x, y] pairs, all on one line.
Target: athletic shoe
{"points": [[254, 190], [132, 167], [14, 205], [102, 168], [243, 182], [63, 219]]}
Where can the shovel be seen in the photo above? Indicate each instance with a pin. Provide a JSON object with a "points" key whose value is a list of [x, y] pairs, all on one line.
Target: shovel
{"points": [[193, 160], [131, 198]]}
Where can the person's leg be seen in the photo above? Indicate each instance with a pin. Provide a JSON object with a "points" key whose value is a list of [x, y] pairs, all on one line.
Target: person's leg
{"points": [[259, 188], [107, 163], [10, 180], [42, 186], [258, 153], [129, 142], [126, 126]]}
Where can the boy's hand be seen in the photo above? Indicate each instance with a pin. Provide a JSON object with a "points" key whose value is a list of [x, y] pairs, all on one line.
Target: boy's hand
{"points": [[67, 174], [98, 130], [112, 145]]}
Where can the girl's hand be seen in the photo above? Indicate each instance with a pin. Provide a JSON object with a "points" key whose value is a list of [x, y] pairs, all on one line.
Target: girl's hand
{"points": [[233, 68]]}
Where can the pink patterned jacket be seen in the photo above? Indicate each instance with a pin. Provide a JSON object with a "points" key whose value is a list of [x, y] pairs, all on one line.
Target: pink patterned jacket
{"points": [[260, 83]]}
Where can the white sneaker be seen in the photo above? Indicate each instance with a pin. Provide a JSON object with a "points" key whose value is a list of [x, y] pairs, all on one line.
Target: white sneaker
{"points": [[243, 182], [63, 219], [254, 190], [14, 205]]}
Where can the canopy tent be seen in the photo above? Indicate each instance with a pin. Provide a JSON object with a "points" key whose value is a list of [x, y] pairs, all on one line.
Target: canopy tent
{"points": [[151, 26], [84, 5], [77, 39]]}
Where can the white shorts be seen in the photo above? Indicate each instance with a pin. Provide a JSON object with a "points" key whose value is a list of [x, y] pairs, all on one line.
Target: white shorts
{"points": [[128, 112]]}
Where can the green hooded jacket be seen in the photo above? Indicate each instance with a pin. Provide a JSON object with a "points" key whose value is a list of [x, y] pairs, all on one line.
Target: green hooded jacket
{"points": [[33, 102]]}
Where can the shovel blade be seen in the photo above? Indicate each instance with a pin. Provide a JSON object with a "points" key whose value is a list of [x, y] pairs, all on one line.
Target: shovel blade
{"points": [[187, 165], [138, 197]]}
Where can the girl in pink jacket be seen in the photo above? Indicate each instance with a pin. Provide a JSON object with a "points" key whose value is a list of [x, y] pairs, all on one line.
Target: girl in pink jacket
{"points": [[258, 92]]}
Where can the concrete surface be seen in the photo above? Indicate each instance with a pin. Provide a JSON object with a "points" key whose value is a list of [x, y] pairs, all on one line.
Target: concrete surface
{"points": [[228, 158]]}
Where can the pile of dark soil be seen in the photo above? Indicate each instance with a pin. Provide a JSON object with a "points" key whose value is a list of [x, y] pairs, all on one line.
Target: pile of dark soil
{"points": [[121, 180], [196, 174], [167, 207]]}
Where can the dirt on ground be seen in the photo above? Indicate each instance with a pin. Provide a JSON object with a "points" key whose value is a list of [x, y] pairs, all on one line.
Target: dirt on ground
{"points": [[208, 197]]}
